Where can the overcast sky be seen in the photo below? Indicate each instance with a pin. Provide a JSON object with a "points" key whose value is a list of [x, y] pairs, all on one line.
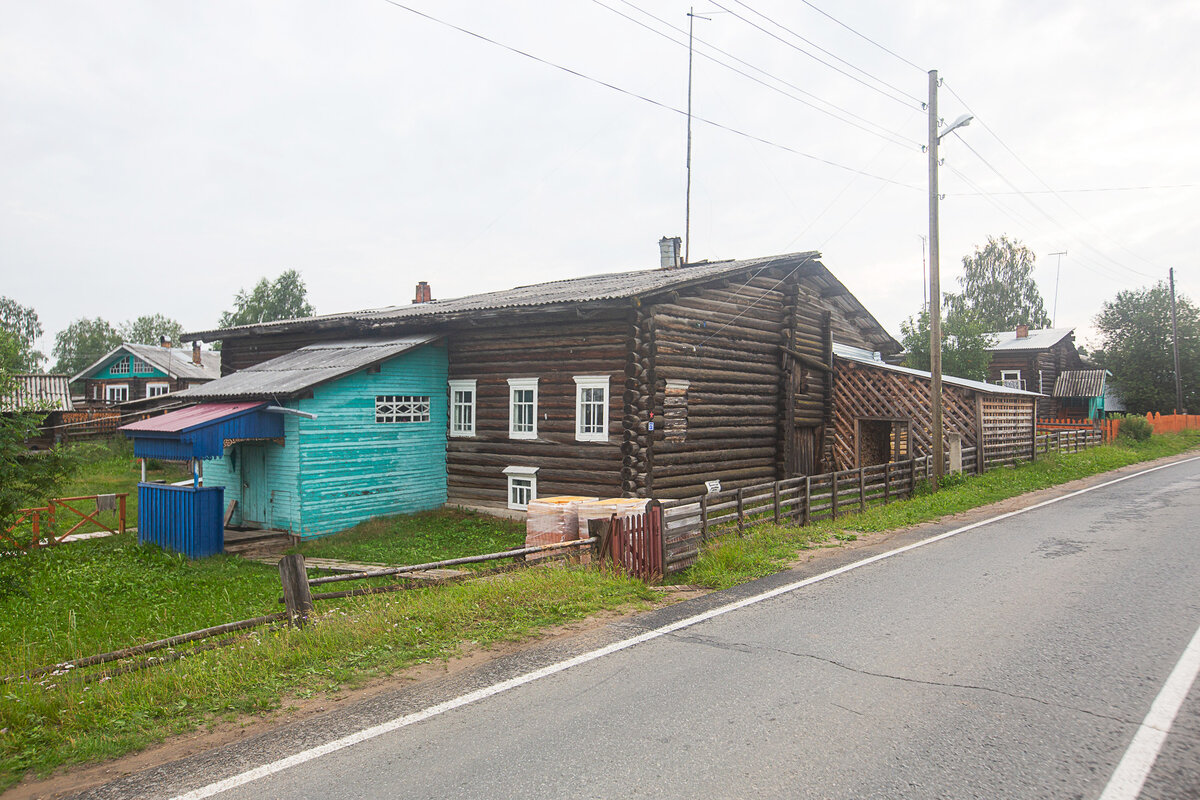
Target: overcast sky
{"points": [[158, 156]]}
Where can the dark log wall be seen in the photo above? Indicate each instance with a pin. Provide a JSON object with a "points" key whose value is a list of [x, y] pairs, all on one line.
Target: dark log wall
{"points": [[1040, 369], [554, 353], [240, 352]]}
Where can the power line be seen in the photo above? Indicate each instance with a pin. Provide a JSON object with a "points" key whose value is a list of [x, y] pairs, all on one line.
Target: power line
{"points": [[896, 135], [643, 98], [857, 33], [839, 70], [1082, 191]]}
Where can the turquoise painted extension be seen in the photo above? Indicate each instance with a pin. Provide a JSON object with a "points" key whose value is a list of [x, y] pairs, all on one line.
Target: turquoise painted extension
{"points": [[344, 467]]}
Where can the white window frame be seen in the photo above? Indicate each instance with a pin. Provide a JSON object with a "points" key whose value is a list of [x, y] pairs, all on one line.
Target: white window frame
{"points": [[156, 388], [582, 383], [109, 391], [464, 386], [518, 385], [415, 415], [123, 363], [523, 478], [139, 365], [1007, 375]]}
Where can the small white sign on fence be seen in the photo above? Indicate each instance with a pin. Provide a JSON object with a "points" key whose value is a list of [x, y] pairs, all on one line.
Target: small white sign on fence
{"points": [[712, 486]]}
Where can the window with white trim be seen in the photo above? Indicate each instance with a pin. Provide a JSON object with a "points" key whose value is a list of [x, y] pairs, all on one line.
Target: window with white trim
{"points": [[401, 408], [116, 392], [156, 389], [1011, 378], [119, 367], [522, 486], [522, 408], [462, 408], [140, 366], [591, 408]]}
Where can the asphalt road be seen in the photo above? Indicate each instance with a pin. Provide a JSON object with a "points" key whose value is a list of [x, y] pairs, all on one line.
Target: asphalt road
{"points": [[1013, 660]]}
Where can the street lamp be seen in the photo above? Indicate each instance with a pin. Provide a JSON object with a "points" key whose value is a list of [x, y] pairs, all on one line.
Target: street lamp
{"points": [[935, 291]]}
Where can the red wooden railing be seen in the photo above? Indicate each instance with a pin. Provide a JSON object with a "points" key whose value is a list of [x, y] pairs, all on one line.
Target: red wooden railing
{"points": [[636, 543], [42, 530]]}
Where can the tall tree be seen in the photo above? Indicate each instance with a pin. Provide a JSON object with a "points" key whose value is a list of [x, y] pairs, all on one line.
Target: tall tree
{"points": [[149, 328], [998, 289], [964, 346], [23, 324], [283, 298], [1135, 332], [82, 342]]}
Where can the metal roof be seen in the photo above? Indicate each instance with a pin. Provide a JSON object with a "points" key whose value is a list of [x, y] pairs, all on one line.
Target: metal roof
{"points": [[201, 431], [305, 368], [1080, 383], [588, 289], [861, 356], [187, 418], [174, 361], [1036, 340], [38, 392]]}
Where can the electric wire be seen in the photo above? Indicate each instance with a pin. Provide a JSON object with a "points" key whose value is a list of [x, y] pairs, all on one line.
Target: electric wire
{"points": [[643, 98], [1084, 191], [858, 34], [920, 103], [904, 140]]}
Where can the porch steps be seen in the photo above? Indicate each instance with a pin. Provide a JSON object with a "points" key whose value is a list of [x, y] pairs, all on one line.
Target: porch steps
{"points": [[257, 544]]}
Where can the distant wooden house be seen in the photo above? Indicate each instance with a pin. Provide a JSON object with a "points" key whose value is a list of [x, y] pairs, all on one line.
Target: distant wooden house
{"points": [[1032, 360], [47, 395], [1082, 394], [138, 371]]}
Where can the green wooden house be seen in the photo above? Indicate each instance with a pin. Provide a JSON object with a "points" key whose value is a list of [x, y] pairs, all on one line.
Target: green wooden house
{"points": [[364, 434], [141, 371]]}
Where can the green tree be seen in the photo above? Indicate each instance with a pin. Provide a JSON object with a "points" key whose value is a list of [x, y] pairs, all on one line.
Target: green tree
{"points": [[964, 346], [1135, 333], [283, 298], [149, 328], [24, 326], [82, 342], [998, 289], [27, 478]]}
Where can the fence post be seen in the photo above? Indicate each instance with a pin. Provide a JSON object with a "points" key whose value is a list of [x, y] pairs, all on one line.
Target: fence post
{"points": [[297, 597], [862, 491], [887, 483], [703, 518], [121, 512], [912, 476], [655, 526], [601, 530], [833, 494], [807, 499], [741, 512], [776, 500]]}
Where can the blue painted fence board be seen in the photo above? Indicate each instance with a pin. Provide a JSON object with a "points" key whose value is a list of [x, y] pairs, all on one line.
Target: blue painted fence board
{"points": [[182, 518]]}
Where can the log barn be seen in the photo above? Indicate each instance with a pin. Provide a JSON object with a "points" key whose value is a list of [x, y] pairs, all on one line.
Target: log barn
{"points": [[635, 384]]}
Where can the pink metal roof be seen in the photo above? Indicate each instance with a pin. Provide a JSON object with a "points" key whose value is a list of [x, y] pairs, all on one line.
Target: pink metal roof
{"points": [[184, 418]]}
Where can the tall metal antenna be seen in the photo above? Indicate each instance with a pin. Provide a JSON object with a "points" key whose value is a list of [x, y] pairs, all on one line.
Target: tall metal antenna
{"points": [[1057, 272], [687, 212]]}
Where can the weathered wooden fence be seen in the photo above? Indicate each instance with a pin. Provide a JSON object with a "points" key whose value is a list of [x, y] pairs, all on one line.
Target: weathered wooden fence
{"points": [[37, 527], [688, 523]]}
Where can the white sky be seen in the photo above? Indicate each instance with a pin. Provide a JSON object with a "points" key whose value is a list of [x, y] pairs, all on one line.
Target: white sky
{"points": [[158, 156]]}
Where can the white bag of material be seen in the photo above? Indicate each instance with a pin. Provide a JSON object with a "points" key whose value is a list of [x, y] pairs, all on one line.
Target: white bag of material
{"points": [[550, 520]]}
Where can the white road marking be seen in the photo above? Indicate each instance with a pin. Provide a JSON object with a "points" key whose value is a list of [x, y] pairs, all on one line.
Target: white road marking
{"points": [[553, 669], [1126, 782]]}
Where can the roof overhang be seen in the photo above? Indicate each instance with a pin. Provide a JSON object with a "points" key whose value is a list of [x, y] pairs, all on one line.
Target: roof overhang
{"points": [[201, 431]]}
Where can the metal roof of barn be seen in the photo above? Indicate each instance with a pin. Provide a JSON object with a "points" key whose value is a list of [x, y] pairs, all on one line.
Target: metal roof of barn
{"points": [[603, 288], [857, 354], [174, 361], [202, 430], [39, 393], [1080, 383], [301, 370], [1036, 340]]}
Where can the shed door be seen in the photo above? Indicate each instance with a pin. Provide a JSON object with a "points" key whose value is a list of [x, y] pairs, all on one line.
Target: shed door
{"points": [[254, 484]]}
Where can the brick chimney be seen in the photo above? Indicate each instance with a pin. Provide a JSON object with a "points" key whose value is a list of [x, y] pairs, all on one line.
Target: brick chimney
{"points": [[196, 353], [424, 293], [1022, 331], [163, 341]]}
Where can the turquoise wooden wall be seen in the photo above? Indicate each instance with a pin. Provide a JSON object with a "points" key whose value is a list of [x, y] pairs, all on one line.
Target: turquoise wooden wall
{"points": [[149, 372], [341, 468]]}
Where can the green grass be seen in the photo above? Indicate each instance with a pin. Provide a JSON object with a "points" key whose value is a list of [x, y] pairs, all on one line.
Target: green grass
{"points": [[766, 549], [418, 538]]}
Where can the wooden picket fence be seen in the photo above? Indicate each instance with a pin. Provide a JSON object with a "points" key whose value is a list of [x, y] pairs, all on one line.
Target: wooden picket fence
{"points": [[1173, 423]]}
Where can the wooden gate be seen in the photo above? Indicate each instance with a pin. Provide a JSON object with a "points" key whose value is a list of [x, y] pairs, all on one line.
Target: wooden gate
{"points": [[636, 543]]}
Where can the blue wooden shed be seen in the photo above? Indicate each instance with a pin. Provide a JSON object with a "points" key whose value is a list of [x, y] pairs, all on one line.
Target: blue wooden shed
{"points": [[360, 432]]}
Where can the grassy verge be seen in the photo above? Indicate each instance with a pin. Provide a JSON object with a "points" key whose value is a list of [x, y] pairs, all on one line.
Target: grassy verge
{"points": [[766, 549], [419, 538]]}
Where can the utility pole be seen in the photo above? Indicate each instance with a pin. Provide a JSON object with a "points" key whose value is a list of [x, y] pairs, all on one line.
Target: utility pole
{"points": [[687, 212], [924, 275], [935, 292], [1057, 272], [1175, 338]]}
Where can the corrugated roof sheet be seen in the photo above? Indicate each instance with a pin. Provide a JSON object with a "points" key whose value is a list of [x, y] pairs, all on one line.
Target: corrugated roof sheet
{"points": [[1037, 339], [187, 418], [588, 289], [1080, 383], [866, 357], [44, 392], [174, 361], [305, 368]]}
